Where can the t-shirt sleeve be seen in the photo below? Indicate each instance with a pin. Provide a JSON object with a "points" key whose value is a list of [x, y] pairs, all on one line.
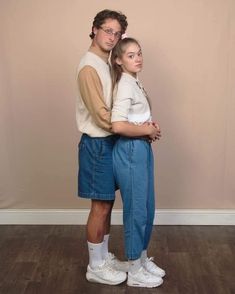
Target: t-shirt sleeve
{"points": [[92, 95], [122, 102]]}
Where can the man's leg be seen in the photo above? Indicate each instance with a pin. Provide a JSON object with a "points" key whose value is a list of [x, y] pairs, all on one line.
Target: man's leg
{"points": [[105, 247], [96, 179], [98, 223], [98, 228], [99, 269]]}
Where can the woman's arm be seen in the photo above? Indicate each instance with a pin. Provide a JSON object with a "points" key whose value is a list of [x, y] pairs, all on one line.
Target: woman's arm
{"points": [[127, 129]]}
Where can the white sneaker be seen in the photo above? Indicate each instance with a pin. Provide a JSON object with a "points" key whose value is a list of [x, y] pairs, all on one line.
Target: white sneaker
{"points": [[117, 264], [152, 268], [105, 274], [142, 278]]}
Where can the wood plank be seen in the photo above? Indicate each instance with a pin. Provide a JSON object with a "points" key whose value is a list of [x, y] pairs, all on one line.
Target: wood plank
{"points": [[53, 259]]}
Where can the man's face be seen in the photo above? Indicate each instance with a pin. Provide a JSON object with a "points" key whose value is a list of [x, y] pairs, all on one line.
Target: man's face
{"points": [[107, 36]]}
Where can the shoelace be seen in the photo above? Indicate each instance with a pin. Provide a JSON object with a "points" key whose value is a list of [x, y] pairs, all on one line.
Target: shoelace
{"points": [[149, 261], [112, 256], [111, 259], [151, 265], [145, 272], [108, 268]]}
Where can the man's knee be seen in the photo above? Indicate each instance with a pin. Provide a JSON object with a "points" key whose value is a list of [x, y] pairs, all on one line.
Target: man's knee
{"points": [[101, 208]]}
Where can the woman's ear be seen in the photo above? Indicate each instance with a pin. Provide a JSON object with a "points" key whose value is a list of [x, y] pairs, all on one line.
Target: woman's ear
{"points": [[118, 61]]}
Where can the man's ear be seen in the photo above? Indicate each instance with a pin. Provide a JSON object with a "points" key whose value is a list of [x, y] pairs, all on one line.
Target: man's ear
{"points": [[118, 61], [95, 30]]}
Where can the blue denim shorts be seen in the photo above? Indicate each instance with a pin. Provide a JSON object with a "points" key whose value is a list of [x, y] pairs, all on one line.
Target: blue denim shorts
{"points": [[95, 176]]}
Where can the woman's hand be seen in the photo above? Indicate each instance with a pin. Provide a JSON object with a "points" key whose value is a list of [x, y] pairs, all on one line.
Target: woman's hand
{"points": [[155, 132]]}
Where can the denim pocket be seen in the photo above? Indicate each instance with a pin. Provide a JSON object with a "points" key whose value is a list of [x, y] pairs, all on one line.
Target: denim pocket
{"points": [[96, 147], [130, 149], [81, 145]]}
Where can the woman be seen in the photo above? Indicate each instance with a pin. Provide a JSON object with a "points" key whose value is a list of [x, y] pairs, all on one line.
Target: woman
{"points": [[133, 161]]}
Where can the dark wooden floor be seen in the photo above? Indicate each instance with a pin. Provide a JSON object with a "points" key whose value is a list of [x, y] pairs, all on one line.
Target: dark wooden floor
{"points": [[53, 259]]}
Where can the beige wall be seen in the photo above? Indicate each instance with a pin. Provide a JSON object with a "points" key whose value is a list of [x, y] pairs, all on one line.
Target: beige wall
{"points": [[189, 50]]}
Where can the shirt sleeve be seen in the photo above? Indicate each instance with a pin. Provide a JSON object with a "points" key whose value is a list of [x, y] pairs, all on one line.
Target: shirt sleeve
{"points": [[92, 95], [122, 102]]}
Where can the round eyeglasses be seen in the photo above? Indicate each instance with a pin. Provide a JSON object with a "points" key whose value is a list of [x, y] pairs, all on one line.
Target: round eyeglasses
{"points": [[110, 32]]}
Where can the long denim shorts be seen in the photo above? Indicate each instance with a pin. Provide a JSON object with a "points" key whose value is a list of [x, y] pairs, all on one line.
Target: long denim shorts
{"points": [[95, 176]]}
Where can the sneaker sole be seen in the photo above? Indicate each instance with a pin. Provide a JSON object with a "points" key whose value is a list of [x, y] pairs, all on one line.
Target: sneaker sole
{"points": [[95, 279], [157, 274], [143, 285]]}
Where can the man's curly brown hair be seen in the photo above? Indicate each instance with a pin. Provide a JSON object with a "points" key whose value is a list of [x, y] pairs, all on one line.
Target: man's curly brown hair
{"points": [[105, 14]]}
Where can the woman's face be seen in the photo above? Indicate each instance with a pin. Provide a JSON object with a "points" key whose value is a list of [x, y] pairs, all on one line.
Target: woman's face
{"points": [[131, 60]]}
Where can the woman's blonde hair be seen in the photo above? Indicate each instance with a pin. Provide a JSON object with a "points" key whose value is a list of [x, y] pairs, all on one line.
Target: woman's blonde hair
{"points": [[117, 52]]}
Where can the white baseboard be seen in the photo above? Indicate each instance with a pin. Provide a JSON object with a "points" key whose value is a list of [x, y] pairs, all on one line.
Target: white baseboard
{"points": [[79, 217]]}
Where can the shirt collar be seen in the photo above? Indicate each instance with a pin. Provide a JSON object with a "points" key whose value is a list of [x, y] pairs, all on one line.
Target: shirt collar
{"points": [[130, 77], [99, 53]]}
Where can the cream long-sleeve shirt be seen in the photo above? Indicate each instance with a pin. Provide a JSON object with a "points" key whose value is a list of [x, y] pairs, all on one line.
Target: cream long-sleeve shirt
{"points": [[93, 108]]}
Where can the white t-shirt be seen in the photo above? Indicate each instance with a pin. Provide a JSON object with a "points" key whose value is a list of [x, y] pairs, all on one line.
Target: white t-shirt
{"points": [[130, 102]]}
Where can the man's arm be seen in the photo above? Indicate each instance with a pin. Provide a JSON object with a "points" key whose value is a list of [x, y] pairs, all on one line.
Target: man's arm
{"points": [[92, 95]]}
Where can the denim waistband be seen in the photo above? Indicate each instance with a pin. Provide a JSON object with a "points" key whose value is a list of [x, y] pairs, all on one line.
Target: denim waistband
{"points": [[107, 138], [133, 139]]}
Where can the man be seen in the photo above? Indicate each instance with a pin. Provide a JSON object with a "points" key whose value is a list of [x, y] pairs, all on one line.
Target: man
{"points": [[96, 180]]}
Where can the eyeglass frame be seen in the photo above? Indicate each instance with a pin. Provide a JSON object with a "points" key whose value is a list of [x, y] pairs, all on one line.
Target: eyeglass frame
{"points": [[110, 32]]}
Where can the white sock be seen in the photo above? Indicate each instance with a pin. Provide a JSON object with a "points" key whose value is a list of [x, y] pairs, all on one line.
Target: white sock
{"points": [[143, 256], [105, 246], [95, 254], [134, 265]]}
